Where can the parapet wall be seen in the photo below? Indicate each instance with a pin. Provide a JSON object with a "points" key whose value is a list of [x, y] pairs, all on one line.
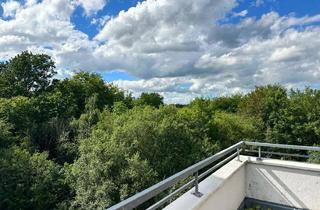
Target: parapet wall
{"points": [[223, 190], [284, 182]]}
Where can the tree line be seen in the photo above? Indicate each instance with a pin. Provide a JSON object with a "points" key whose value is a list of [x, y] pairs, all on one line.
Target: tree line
{"points": [[79, 143]]}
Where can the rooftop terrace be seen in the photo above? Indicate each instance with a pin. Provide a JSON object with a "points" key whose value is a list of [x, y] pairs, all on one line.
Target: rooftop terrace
{"points": [[229, 180]]}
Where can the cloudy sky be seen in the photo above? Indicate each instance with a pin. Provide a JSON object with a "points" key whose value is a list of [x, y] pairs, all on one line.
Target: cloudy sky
{"points": [[179, 48]]}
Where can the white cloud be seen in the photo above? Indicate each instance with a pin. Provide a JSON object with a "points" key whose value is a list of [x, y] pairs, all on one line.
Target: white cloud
{"points": [[92, 6], [161, 38], [243, 13], [174, 90], [38, 26], [31, 2], [220, 59], [177, 48], [100, 22], [10, 8], [286, 54], [181, 89], [258, 3], [172, 84]]}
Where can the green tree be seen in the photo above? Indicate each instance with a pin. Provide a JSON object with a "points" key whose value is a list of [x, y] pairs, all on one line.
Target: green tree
{"points": [[79, 143], [300, 123], [115, 161], [36, 121], [119, 107], [151, 99], [227, 103], [67, 143], [198, 115], [26, 74], [83, 85], [228, 128], [88, 119], [6, 137], [19, 112], [267, 105], [29, 181], [314, 157], [106, 172]]}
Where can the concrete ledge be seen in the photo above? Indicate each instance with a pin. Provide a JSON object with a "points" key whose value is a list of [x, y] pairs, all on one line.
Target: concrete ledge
{"points": [[227, 182], [284, 163], [285, 183]]}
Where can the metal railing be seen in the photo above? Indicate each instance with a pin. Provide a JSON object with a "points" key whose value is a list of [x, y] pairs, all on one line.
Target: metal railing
{"points": [[279, 146], [193, 170]]}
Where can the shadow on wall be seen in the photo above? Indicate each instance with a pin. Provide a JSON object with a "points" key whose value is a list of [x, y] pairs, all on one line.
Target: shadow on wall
{"points": [[293, 187]]}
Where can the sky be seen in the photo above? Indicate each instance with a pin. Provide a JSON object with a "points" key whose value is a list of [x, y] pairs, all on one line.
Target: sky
{"points": [[182, 49]]}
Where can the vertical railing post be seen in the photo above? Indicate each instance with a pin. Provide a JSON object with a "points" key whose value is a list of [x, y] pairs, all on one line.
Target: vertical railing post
{"points": [[196, 185], [259, 154], [238, 153]]}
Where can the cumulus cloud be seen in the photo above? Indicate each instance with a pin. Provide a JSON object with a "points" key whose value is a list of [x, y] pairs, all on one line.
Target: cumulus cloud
{"points": [[174, 89], [215, 58], [161, 38], [178, 48], [91, 7], [10, 8], [286, 54], [42, 27]]}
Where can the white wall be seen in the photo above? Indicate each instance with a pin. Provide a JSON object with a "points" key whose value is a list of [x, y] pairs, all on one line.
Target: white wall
{"points": [[283, 182], [289, 183], [223, 190], [229, 196]]}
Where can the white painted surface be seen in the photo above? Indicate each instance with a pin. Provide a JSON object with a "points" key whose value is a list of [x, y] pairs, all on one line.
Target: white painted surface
{"points": [[229, 196], [223, 190], [284, 182]]}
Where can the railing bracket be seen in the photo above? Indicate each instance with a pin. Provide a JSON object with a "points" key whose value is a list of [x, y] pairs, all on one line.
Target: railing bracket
{"points": [[196, 185], [197, 194], [259, 154]]}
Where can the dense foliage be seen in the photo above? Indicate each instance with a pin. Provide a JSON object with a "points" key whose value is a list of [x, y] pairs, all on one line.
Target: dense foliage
{"points": [[79, 143]]}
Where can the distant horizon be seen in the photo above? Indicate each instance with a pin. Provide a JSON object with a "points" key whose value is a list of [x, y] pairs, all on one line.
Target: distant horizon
{"points": [[182, 49]]}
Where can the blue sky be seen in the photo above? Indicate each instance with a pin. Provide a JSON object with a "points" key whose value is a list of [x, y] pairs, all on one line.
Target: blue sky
{"points": [[283, 7], [180, 48], [112, 9], [254, 8], [83, 23]]}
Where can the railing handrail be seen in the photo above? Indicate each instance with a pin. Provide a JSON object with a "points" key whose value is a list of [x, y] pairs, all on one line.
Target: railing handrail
{"points": [[145, 195], [154, 190], [282, 146]]}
